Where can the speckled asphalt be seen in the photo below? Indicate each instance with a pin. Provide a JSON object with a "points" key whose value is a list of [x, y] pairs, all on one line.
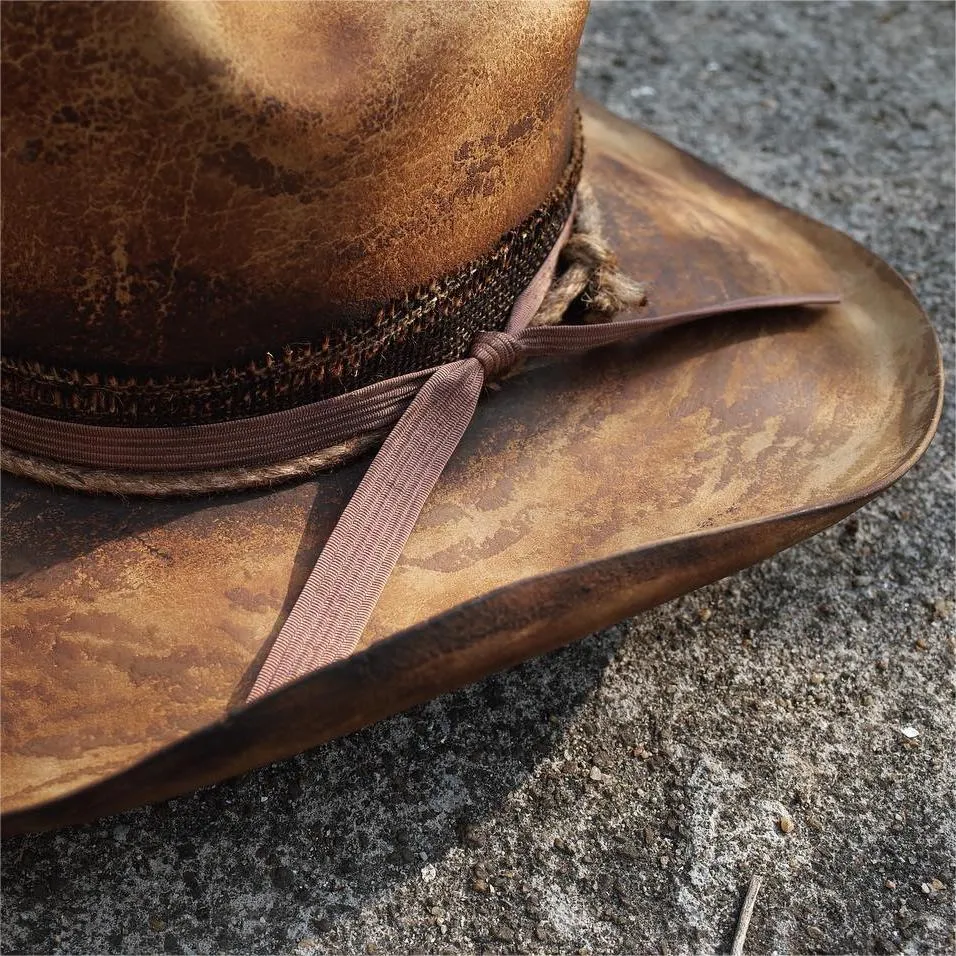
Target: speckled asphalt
{"points": [[616, 796]]}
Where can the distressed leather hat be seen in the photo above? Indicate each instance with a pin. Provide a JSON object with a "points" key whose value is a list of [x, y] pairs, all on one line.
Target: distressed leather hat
{"points": [[348, 357]]}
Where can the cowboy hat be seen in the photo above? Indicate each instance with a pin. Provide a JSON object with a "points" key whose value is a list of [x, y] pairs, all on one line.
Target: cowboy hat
{"points": [[190, 260]]}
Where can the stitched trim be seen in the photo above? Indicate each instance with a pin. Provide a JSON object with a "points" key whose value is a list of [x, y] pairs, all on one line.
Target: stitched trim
{"points": [[430, 326]]}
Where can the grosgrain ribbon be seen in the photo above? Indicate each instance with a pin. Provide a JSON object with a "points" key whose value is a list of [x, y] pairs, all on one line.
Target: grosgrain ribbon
{"points": [[430, 411], [337, 601]]}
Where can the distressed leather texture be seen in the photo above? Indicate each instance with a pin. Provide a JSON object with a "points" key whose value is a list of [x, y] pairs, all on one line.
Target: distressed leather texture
{"points": [[189, 185], [585, 490]]}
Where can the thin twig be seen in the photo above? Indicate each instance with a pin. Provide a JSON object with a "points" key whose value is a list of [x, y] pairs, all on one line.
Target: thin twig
{"points": [[746, 911]]}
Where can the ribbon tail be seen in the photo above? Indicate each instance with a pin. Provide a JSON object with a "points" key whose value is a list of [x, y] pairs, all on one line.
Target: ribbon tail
{"points": [[335, 605], [552, 340]]}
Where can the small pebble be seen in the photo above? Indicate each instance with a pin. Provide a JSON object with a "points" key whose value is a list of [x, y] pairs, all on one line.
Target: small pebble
{"points": [[471, 834], [910, 733], [785, 822], [943, 608], [705, 613], [596, 774], [816, 678], [890, 884]]}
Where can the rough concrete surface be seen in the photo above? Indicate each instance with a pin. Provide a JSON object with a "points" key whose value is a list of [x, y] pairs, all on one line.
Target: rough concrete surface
{"points": [[616, 796]]}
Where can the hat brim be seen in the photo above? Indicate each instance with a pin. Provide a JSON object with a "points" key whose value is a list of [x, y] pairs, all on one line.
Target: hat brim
{"points": [[585, 491]]}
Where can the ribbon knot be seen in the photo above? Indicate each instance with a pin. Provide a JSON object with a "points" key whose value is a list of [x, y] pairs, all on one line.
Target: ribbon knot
{"points": [[496, 353]]}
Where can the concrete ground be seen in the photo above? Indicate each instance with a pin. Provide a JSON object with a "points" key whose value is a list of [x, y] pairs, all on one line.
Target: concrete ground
{"points": [[616, 796]]}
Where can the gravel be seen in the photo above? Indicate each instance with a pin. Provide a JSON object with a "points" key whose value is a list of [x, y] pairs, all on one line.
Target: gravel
{"points": [[794, 721]]}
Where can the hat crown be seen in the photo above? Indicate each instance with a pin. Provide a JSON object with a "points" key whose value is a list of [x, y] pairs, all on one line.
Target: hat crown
{"points": [[189, 185]]}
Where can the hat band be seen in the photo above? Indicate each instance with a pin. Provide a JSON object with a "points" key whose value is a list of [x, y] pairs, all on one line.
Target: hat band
{"points": [[429, 411]]}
